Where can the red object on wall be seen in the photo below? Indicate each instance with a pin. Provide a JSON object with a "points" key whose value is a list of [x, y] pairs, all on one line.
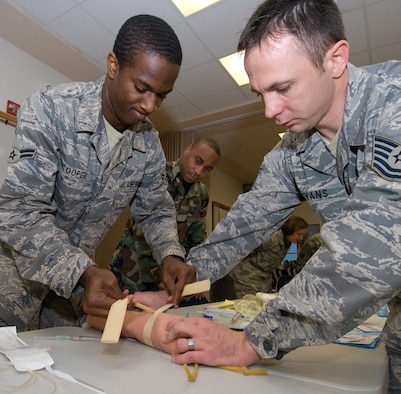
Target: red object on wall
{"points": [[12, 107]]}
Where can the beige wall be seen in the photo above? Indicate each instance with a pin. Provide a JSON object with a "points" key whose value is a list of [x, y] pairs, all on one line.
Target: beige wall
{"points": [[226, 190], [222, 189], [305, 211]]}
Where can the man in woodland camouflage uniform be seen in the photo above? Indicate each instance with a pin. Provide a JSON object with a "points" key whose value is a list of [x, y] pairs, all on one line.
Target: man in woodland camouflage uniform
{"points": [[342, 154], [133, 262]]}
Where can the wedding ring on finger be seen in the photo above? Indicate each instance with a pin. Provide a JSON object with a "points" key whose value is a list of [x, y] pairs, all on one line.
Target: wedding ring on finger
{"points": [[191, 344]]}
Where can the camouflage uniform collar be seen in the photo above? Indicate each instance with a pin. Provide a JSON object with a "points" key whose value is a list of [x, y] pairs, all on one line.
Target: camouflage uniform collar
{"points": [[175, 179], [134, 134], [174, 174], [141, 126], [174, 168], [90, 111], [359, 91]]}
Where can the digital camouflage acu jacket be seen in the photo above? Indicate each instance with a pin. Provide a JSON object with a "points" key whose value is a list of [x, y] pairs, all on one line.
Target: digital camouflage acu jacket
{"points": [[63, 191], [357, 194]]}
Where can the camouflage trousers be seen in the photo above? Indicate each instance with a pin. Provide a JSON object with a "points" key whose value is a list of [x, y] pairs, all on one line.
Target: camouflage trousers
{"points": [[391, 336], [29, 305]]}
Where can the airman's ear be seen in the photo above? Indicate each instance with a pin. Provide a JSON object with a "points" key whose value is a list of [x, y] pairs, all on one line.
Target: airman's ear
{"points": [[338, 56], [187, 149], [112, 65]]}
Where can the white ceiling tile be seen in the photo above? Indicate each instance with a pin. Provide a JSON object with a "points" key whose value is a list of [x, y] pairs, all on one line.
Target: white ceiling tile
{"points": [[219, 27], [204, 80], [368, 2], [112, 14], [173, 99], [184, 112], [81, 31], [387, 52], [45, 11], [249, 94], [349, 5], [220, 101], [355, 31], [193, 50], [384, 22]]}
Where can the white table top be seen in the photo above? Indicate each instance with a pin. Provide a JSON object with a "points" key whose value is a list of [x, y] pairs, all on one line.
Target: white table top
{"points": [[130, 366]]}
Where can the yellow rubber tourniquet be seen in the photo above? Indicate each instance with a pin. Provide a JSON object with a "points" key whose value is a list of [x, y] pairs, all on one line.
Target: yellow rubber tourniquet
{"points": [[246, 371], [191, 375]]}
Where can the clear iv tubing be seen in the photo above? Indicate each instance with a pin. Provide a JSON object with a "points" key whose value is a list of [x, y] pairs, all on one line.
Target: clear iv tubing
{"points": [[66, 338]]}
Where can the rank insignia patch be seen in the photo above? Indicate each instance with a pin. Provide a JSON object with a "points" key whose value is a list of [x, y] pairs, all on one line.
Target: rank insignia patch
{"points": [[19, 154], [387, 158]]}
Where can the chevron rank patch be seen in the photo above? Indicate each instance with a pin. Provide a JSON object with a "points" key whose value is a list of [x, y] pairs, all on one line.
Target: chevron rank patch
{"points": [[19, 154], [387, 158]]}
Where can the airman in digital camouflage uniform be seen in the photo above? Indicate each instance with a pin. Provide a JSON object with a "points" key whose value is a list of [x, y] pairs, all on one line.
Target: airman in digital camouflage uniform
{"points": [[289, 269], [82, 152], [309, 247], [342, 154], [255, 272], [133, 262]]}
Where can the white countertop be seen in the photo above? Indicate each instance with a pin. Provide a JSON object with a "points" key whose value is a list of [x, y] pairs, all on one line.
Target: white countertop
{"points": [[130, 366]]}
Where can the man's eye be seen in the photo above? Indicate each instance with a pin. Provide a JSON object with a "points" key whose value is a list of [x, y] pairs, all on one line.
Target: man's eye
{"points": [[139, 89], [283, 89]]}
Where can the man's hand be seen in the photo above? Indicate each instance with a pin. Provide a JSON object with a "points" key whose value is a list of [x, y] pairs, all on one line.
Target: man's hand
{"points": [[213, 344], [175, 275], [101, 290]]}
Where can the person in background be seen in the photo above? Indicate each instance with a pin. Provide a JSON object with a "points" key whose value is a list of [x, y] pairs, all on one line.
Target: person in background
{"points": [[82, 153], [255, 273], [133, 262], [342, 154], [308, 248], [289, 269]]}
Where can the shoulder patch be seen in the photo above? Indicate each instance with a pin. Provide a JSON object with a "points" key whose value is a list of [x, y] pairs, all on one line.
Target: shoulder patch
{"points": [[387, 158], [19, 154]]}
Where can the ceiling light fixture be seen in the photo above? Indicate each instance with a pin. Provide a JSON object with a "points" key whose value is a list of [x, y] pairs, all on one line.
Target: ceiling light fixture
{"points": [[234, 64], [189, 7]]}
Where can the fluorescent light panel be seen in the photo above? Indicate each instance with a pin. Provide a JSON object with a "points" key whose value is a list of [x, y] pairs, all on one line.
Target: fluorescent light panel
{"points": [[234, 64], [189, 7]]}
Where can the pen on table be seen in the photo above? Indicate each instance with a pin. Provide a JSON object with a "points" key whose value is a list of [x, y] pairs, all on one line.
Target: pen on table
{"points": [[236, 317], [221, 313], [66, 338]]}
